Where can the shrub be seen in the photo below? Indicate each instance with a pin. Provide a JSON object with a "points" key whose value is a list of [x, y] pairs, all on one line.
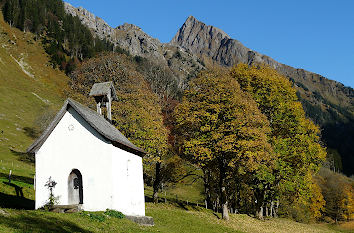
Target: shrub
{"points": [[114, 214], [95, 216]]}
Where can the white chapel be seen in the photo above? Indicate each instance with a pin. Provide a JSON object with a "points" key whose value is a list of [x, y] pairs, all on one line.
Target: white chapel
{"points": [[94, 165]]}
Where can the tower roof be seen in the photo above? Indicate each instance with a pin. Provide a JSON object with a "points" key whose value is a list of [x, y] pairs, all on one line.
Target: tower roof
{"points": [[100, 89]]}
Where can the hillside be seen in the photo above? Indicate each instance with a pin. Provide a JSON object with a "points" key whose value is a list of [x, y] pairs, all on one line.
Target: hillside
{"points": [[28, 87], [328, 103]]}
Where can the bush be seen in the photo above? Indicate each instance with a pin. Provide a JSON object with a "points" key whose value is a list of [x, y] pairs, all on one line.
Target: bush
{"points": [[299, 213], [114, 214], [101, 217], [95, 216]]}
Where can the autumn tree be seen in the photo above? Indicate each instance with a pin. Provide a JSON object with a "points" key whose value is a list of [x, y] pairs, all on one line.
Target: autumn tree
{"points": [[220, 128], [294, 138], [338, 192]]}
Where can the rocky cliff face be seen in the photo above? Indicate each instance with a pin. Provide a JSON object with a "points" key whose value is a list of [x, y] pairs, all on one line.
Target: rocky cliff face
{"points": [[212, 42], [132, 39]]}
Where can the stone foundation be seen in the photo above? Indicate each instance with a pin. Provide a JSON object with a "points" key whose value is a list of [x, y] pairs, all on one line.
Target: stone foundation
{"points": [[141, 220]]}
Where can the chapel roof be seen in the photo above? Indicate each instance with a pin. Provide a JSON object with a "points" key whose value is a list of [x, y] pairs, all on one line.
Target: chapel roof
{"points": [[105, 88], [96, 121]]}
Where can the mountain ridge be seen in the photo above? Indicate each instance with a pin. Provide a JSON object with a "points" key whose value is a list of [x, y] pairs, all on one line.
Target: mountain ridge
{"points": [[202, 39]]}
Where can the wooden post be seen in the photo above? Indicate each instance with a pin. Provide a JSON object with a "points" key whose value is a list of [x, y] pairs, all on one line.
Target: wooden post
{"points": [[99, 108], [10, 176], [109, 113]]}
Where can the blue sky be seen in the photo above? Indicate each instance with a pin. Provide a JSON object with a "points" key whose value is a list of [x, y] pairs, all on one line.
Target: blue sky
{"points": [[311, 34]]}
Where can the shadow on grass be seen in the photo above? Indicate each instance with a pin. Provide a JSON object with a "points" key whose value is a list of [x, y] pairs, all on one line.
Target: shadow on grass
{"points": [[31, 132], [23, 179], [177, 203], [23, 156], [28, 221], [18, 189], [15, 202], [217, 216]]}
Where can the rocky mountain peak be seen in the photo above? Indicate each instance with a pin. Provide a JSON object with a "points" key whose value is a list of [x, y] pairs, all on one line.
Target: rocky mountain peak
{"points": [[128, 26], [198, 37], [191, 21]]}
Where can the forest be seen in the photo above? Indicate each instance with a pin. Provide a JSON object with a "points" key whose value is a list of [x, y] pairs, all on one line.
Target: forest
{"points": [[65, 39]]}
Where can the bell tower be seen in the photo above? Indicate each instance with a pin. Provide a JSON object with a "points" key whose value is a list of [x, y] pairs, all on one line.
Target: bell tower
{"points": [[104, 94]]}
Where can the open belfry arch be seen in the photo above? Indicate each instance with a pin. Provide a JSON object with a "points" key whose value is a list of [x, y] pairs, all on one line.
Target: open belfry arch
{"points": [[104, 94]]}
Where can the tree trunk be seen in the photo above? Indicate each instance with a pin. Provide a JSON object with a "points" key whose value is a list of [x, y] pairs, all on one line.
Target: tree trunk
{"points": [[275, 212], [225, 212], [157, 182], [223, 193], [259, 194], [207, 188], [238, 196], [259, 213]]}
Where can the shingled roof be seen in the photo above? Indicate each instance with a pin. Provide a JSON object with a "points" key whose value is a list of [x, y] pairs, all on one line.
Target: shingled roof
{"points": [[105, 88], [98, 122]]}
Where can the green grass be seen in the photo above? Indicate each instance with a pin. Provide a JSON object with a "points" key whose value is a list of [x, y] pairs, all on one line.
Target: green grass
{"points": [[187, 190], [167, 217], [173, 216]]}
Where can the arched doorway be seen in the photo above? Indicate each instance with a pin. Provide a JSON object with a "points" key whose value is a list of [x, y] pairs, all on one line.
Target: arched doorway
{"points": [[75, 194]]}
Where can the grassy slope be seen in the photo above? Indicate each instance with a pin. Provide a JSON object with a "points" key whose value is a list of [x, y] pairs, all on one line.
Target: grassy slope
{"points": [[168, 218]]}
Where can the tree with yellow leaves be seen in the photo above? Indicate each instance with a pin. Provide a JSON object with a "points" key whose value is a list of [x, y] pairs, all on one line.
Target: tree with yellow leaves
{"points": [[295, 138], [338, 192], [219, 128]]}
